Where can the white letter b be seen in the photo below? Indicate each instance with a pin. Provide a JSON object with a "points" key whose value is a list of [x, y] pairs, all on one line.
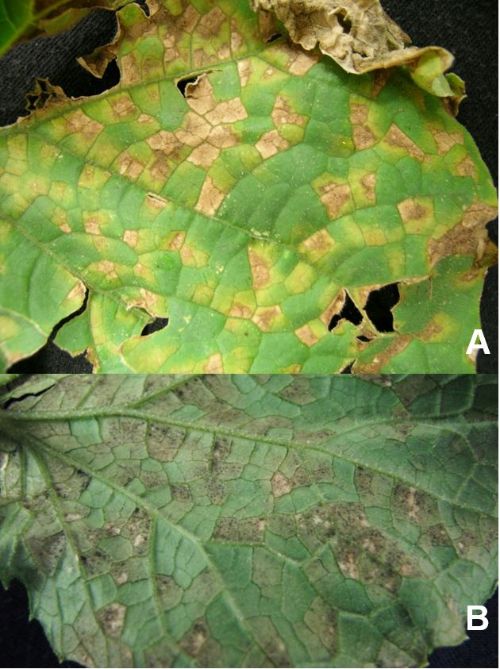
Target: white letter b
{"points": [[481, 616]]}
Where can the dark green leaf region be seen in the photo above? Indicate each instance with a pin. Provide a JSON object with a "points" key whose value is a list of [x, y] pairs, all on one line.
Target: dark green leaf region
{"points": [[180, 521]]}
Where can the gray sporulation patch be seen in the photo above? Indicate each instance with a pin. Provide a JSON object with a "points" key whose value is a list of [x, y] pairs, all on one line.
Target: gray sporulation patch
{"points": [[194, 640], [417, 506], [169, 593], [250, 530], [163, 441], [181, 492], [160, 655], [47, 551], [271, 642], [298, 392], [112, 619], [154, 479], [280, 485], [363, 480], [362, 552], [137, 529], [436, 535], [284, 525], [95, 563], [321, 620], [216, 491], [220, 450]]}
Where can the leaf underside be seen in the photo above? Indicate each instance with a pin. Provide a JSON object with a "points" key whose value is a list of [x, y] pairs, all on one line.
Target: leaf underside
{"points": [[244, 204], [250, 521]]}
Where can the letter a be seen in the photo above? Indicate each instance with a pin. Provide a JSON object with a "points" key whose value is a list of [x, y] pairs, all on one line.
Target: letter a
{"points": [[482, 346]]}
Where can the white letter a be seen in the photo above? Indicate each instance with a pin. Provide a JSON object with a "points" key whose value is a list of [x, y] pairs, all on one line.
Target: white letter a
{"points": [[482, 346]]}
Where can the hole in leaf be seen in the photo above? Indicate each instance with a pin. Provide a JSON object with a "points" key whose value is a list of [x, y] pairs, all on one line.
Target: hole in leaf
{"points": [[142, 4], [272, 38], [34, 72], [52, 359], [349, 312], [155, 326], [344, 21], [379, 304], [363, 338], [348, 368], [182, 83]]}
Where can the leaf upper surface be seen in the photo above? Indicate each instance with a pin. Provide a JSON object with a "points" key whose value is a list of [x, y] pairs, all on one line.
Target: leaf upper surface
{"points": [[250, 521], [243, 209]]}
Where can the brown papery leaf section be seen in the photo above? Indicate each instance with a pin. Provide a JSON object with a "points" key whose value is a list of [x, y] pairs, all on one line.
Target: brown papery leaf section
{"points": [[357, 34]]}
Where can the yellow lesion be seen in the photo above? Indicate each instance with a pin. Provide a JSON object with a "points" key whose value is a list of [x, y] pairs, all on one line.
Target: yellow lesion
{"points": [[210, 197], [131, 237], [129, 166], [78, 123], [466, 168], [204, 155], [203, 294], [283, 113], [300, 62], [61, 219], [280, 485], [270, 144], [417, 214], [92, 176], [200, 95], [9, 328], [174, 240], [317, 245], [335, 194], [363, 187], [245, 71], [362, 134], [239, 310], [92, 225], [123, 107], [61, 193], [268, 318], [77, 293], [307, 335], [214, 364], [243, 304], [106, 267], [333, 307], [228, 111], [397, 139], [17, 146], [144, 272], [300, 279], [260, 267], [374, 236], [446, 140], [192, 256], [145, 299]]}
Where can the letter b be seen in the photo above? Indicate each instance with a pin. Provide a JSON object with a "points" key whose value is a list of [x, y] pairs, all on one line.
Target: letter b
{"points": [[477, 613]]}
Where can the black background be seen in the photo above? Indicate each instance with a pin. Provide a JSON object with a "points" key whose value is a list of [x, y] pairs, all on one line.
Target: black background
{"points": [[469, 30]]}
